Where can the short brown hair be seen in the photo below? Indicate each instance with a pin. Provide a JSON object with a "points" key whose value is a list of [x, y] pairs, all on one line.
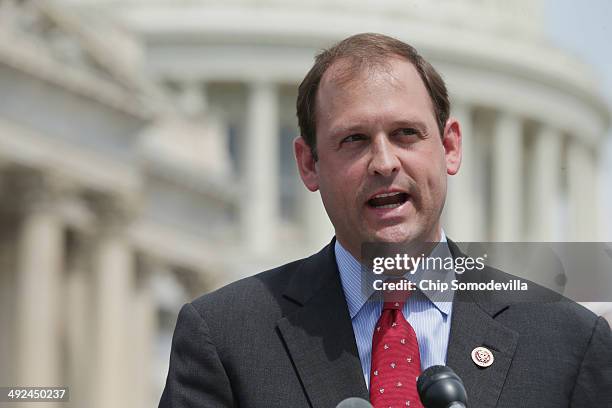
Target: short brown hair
{"points": [[366, 50]]}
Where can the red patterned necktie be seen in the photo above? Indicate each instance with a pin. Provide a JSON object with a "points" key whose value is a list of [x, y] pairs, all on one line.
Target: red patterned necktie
{"points": [[396, 362]]}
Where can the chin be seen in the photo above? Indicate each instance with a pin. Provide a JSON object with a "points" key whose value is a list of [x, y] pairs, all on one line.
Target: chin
{"points": [[395, 235]]}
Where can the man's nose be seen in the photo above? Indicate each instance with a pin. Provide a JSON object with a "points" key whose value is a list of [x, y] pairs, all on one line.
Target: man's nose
{"points": [[384, 161]]}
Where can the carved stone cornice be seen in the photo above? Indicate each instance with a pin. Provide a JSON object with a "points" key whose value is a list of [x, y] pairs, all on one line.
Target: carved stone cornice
{"points": [[25, 189], [114, 212], [51, 43]]}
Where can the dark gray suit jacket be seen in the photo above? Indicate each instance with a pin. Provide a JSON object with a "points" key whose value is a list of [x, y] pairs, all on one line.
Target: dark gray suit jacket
{"points": [[283, 338]]}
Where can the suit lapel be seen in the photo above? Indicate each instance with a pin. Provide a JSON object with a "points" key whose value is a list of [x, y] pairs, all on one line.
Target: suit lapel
{"points": [[472, 327], [473, 324], [319, 335]]}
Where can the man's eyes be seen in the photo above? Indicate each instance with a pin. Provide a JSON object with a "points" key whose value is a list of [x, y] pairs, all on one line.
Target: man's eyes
{"points": [[408, 131], [354, 138], [400, 132]]}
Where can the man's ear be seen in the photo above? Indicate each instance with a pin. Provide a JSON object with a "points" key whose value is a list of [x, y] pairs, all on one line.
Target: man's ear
{"points": [[306, 164], [452, 146]]}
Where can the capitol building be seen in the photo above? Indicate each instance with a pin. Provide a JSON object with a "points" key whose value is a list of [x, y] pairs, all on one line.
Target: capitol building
{"points": [[146, 158]]}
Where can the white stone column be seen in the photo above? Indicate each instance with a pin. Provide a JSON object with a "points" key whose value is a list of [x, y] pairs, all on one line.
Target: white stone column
{"points": [[113, 266], [464, 202], [8, 316], [260, 198], [545, 184], [507, 177], [143, 331], [40, 247], [78, 324], [582, 192]]}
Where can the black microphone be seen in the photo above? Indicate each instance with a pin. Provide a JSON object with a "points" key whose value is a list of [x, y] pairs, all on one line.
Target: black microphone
{"points": [[440, 387], [354, 402]]}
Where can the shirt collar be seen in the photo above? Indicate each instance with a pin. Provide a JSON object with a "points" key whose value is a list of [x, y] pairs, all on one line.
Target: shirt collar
{"points": [[350, 276]]}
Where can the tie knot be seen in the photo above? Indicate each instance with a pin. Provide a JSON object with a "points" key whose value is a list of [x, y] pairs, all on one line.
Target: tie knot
{"points": [[395, 299], [393, 305]]}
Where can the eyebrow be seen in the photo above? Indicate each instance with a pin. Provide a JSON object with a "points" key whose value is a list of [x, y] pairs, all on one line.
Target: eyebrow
{"points": [[341, 130], [402, 123]]}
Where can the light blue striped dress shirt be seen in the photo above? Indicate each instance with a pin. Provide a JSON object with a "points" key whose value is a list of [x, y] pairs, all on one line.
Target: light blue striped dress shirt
{"points": [[429, 315]]}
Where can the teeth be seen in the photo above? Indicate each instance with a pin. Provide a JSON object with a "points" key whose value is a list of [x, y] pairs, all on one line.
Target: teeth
{"points": [[387, 194], [388, 206]]}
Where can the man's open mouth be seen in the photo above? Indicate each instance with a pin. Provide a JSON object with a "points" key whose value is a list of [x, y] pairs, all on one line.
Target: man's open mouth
{"points": [[388, 200]]}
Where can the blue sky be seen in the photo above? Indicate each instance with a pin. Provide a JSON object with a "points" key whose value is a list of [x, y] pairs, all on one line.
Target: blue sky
{"points": [[584, 29]]}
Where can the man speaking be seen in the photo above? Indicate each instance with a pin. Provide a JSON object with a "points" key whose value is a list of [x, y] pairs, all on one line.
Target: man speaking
{"points": [[378, 144]]}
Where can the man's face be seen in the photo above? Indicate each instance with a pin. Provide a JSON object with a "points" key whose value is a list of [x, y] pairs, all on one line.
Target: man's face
{"points": [[382, 164]]}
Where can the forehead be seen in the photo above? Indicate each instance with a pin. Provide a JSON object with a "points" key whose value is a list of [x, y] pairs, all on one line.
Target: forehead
{"points": [[347, 70], [394, 83]]}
